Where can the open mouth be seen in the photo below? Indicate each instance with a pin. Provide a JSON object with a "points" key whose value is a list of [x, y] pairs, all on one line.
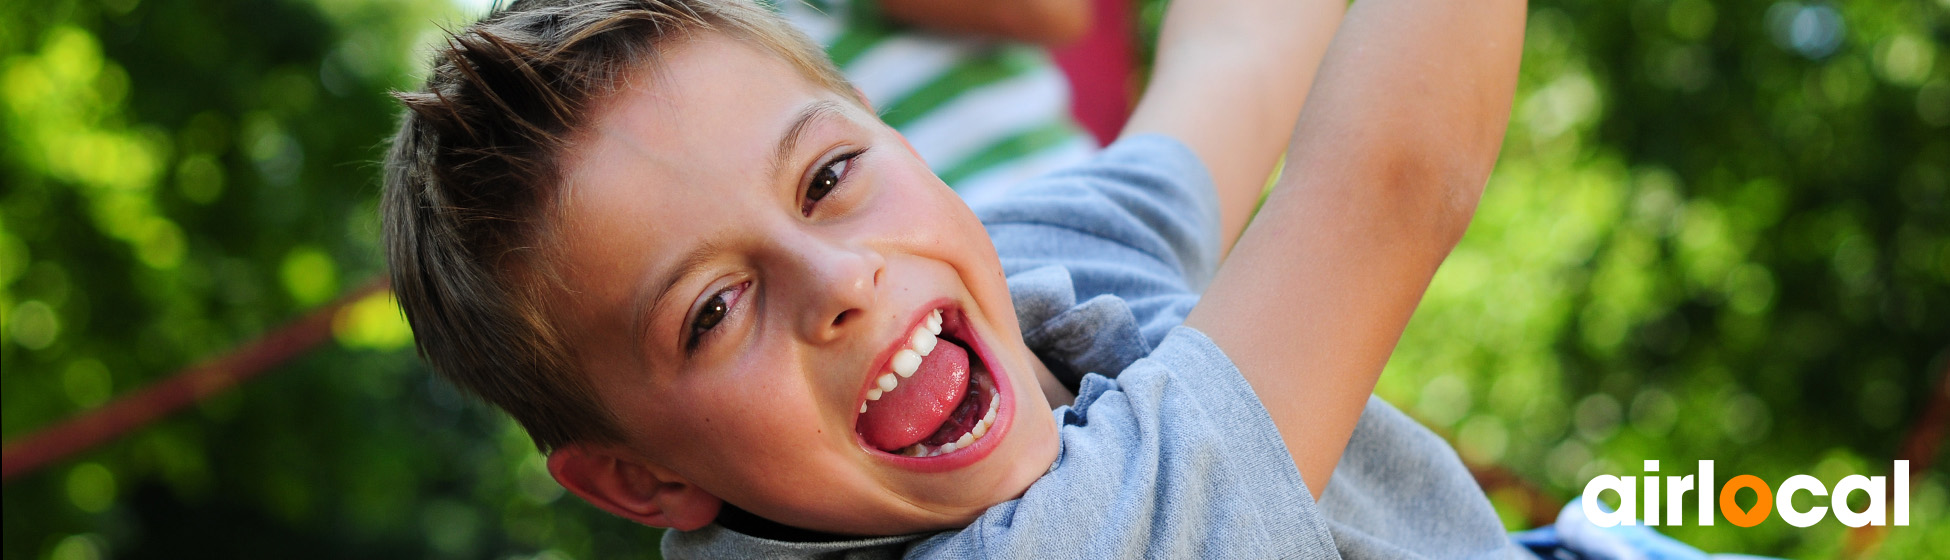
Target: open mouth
{"points": [[935, 395]]}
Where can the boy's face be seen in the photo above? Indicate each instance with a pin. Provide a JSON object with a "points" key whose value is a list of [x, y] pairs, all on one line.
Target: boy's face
{"points": [[750, 256]]}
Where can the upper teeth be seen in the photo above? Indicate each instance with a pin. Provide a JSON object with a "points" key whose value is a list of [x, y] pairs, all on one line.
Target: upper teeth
{"points": [[907, 360]]}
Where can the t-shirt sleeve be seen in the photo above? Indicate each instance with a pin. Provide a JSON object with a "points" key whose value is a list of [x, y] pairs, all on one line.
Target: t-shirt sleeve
{"points": [[1140, 221], [1174, 458]]}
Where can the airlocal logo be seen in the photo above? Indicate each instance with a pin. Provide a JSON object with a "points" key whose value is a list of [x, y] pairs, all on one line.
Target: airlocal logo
{"points": [[1677, 487]]}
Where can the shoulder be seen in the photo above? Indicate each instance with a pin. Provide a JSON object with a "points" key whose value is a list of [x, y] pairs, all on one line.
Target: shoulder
{"points": [[1139, 221]]}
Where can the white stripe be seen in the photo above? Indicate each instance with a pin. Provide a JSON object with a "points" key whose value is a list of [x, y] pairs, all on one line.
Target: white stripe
{"points": [[893, 68], [821, 27], [986, 115]]}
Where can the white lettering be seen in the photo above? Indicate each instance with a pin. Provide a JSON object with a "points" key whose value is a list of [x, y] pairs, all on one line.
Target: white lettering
{"points": [[1875, 515], [1785, 504], [1627, 504], [1902, 493], [1706, 502], [1676, 489], [1651, 493]]}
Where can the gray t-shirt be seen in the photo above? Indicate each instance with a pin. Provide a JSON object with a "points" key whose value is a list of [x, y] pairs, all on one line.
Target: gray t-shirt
{"points": [[1167, 451]]}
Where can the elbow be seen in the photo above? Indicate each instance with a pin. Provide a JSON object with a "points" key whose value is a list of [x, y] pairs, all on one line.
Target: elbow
{"points": [[1434, 196], [1412, 179], [1457, 190], [1449, 165], [1454, 169], [1459, 193]]}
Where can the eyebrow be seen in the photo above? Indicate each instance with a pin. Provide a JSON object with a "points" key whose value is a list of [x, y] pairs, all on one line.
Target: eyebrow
{"points": [[790, 140], [647, 300]]}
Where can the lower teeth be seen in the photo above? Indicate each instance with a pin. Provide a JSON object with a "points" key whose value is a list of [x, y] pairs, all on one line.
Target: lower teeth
{"points": [[974, 434]]}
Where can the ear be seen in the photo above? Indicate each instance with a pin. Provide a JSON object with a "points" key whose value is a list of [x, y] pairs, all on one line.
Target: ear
{"points": [[631, 488]]}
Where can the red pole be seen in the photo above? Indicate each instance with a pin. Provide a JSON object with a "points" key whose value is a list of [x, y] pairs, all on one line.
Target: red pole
{"points": [[38, 449], [1919, 448]]}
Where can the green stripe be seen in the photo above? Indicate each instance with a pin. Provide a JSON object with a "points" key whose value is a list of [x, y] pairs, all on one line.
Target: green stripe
{"points": [[864, 29], [855, 41], [1022, 144], [962, 78]]}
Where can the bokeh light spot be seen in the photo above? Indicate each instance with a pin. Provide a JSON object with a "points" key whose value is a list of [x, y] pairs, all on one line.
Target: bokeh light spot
{"points": [[1654, 412], [33, 325], [1691, 19], [1444, 400], [1811, 30], [79, 547], [1597, 417], [199, 178], [91, 487], [87, 382], [161, 244], [1905, 59], [1750, 289], [452, 528], [309, 275], [1745, 418], [1483, 439], [374, 322]]}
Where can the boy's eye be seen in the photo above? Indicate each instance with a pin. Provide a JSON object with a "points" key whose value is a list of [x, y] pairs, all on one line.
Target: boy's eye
{"points": [[708, 316], [712, 313], [825, 180]]}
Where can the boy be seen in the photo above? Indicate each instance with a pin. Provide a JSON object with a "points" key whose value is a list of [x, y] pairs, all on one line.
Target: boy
{"points": [[726, 299]]}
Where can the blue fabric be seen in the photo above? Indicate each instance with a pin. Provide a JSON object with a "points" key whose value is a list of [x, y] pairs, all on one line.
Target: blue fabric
{"points": [[1167, 451], [1174, 458], [1140, 222], [1574, 537]]}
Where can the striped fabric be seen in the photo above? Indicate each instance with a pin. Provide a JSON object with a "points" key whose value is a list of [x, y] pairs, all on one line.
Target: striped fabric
{"points": [[985, 114]]}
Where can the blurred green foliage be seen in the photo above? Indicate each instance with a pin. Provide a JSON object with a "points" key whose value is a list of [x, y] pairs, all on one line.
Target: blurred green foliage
{"points": [[1718, 231], [181, 177]]}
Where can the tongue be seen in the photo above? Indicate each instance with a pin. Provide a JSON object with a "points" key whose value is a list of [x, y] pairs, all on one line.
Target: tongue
{"points": [[921, 403]]}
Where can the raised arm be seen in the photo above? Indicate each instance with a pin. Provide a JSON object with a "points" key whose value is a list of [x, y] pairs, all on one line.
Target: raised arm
{"points": [[1229, 81], [1388, 160], [1049, 22]]}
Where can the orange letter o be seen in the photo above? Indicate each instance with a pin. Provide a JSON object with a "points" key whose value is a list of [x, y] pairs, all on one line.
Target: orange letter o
{"points": [[1763, 504]]}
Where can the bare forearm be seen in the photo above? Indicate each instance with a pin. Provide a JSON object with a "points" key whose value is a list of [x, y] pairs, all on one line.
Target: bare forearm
{"points": [[1386, 163], [1229, 82], [1418, 85], [1048, 22]]}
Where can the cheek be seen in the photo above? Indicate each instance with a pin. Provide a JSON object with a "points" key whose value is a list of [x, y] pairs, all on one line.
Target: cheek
{"points": [[917, 205], [760, 405], [769, 398], [731, 439]]}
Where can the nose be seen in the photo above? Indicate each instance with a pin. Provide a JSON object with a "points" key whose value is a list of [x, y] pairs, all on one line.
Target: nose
{"points": [[838, 286]]}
